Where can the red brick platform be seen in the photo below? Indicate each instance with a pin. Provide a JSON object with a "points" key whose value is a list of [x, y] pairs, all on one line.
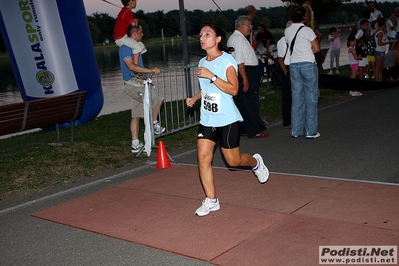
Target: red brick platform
{"points": [[282, 222]]}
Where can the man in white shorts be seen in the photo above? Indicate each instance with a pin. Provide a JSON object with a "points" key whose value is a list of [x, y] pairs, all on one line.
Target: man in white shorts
{"points": [[132, 61]]}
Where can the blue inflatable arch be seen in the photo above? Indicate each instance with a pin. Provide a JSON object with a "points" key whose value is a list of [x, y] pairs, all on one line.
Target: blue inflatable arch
{"points": [[51, 51]]}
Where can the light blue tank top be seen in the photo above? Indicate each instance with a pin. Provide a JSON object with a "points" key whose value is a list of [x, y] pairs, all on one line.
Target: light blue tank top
{"points": [[217, 107]]}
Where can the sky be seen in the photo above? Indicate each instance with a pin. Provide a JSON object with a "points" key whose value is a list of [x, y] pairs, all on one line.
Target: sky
{"points": [[101, 6]]}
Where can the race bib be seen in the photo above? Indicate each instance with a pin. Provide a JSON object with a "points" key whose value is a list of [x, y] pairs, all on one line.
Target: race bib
{"points": [[211, 102]]}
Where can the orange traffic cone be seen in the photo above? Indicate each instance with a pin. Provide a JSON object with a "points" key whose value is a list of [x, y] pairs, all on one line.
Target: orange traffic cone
{"points": [[163, 161]]}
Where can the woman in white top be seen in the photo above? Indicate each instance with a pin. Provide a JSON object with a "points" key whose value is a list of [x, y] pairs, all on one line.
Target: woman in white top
{"points": [[219, 120], [391, 26], [380, 49], [304, 75], [391, 63]]}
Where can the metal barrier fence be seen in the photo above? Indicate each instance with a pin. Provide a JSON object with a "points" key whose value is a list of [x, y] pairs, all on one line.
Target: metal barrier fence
{"points": [[176, 84]]}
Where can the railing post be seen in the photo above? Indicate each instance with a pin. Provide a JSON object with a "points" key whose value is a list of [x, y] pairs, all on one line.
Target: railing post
{"points": [[186, 60]]}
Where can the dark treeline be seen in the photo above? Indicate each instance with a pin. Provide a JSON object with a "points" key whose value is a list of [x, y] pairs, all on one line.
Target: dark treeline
{"points": [[157, 23]]}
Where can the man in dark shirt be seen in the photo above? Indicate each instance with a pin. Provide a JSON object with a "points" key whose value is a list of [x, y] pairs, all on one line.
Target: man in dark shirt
{"points": [[265, 42]]}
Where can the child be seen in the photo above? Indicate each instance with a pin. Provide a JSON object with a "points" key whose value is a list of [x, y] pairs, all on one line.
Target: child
{"points": [[335, 48], [361, 41], [379, 53], [353, 61], [370, 47], [123, 21], [361, 51]]}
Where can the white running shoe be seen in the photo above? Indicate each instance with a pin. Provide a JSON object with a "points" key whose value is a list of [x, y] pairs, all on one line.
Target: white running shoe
{"points": [[261, 171], [355, 93], [136, 149], [337, 73], [158, 129], [313, 136], [208, 206], [330, 73]]}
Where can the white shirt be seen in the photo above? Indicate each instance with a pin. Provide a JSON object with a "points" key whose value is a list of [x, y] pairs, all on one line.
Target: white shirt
{"points": [[336, 43], [391, 33], [359, 34], [302, 51], [243, 51], [283, 51], [380, 48], [374, 15]]}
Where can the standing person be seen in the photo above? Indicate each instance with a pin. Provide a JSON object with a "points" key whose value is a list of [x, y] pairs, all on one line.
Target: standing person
{"points": [[361, 48], [361, 29], [391, 63], [396, 12], [335, 49], [250, 11], [304, 75], [124, 19], [219, 117], [265, 42], [374, 14], [132, 61], [380, 49], [365, 15], [249, 77], [310, 20], [391, 27], [353, 61], [284, 62]]}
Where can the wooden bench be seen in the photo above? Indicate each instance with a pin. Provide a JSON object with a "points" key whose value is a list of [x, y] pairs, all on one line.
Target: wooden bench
{"points": [[42, 113]]}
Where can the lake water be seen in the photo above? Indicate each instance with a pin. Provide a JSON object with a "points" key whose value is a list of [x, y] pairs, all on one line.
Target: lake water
{"points": [[163, 56]]}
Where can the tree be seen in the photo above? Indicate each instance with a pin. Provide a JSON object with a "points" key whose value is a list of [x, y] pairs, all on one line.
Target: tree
{"points": [[354, 18], [277, 16], [265, 21], [105, 24], [344, 17], [94, 32], [172, 19], [224, 23], [194, 20]]}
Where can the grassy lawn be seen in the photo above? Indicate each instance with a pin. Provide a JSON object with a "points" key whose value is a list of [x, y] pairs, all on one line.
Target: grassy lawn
{"points": [[28, 163]]}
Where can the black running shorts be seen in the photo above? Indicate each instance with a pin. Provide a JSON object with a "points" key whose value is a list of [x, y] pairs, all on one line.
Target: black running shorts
{"points": [[229, 136]]}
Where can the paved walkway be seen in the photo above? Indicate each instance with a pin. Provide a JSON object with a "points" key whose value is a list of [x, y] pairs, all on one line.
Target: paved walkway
{"points": [[340, 189]]}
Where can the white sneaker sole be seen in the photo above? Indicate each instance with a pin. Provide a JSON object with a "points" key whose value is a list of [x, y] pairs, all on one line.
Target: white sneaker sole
{"points": [[314, 136], [262, 179]]}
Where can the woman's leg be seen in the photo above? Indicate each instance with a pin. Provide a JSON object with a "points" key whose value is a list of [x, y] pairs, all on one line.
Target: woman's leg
{"points": [[234, 158], [379, 64], [332, 55], [361, 72], [353, 74], [205, 156], [337, 55]]}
